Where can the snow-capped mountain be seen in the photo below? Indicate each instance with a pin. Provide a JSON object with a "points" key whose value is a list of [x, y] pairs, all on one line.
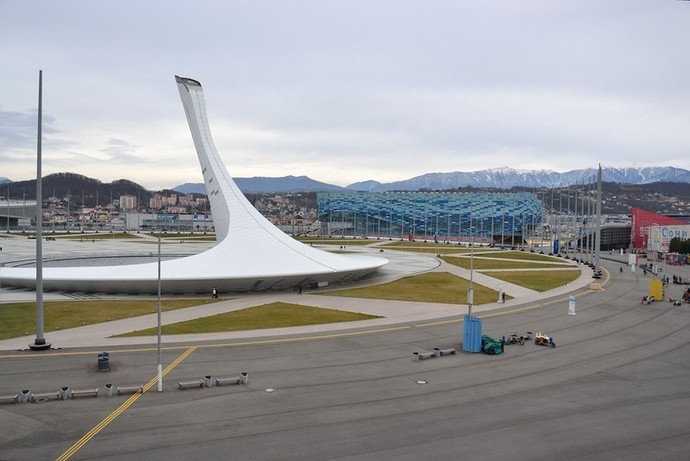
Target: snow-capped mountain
{"points": [[495, 178], [505, 178]]}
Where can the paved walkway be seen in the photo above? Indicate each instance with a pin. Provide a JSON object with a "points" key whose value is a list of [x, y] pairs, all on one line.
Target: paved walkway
{"points": [[402, 263]]}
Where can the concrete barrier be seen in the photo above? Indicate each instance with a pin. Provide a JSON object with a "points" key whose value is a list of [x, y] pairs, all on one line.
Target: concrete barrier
{"points": [[86, 392], [9, 398], [417, 356], [43, 396], [190, 384], [242, 378], [444, 352], [129, 389]]}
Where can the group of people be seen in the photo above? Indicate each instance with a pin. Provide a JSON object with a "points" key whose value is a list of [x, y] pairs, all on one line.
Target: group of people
{"points": [[678, 280]]}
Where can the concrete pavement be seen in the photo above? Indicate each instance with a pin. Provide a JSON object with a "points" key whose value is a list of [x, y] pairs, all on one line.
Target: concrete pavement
{"points": [[614, 389]]}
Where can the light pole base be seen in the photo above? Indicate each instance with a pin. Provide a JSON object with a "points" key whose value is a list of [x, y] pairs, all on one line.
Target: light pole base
{"points": [[39, 345]]}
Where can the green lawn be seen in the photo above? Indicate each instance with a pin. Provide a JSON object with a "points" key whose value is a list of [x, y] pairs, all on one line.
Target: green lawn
{"points": [[538, 280], [432, 287], [496, 263], [19, 319], [273, 315], [522, 255]]}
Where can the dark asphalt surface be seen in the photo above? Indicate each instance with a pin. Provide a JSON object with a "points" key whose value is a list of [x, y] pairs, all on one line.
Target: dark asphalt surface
{"points": [[617, 386]]}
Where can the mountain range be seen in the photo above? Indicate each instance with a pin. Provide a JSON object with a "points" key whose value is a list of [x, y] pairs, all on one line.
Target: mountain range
{"points": [[656, 191], [495, 178]]}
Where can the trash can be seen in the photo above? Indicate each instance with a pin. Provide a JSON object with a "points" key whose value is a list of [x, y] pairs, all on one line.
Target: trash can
{"points": [[472, 339], [103, 361], [109, 389], [208, 381]]}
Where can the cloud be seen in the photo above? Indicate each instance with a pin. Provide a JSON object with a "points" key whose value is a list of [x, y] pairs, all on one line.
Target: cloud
{"points": [[345, 92]]}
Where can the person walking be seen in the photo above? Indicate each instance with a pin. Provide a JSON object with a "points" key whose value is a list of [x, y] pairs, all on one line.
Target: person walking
{"points": [[215, 293]]}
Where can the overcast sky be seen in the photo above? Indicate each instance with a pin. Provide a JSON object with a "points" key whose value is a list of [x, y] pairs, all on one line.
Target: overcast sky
{"points": [[344, 91]]}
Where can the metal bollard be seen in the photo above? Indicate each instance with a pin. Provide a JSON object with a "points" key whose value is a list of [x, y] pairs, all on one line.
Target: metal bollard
{"points": [[24, 395], [65, 393]]}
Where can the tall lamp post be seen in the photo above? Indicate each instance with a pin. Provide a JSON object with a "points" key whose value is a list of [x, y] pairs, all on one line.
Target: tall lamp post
{"points": [[39, 343], [160, 361], [472, 340], [470, 290]]}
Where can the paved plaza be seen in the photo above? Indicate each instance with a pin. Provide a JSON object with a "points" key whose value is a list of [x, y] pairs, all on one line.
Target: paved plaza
{"points": [[615, 387]]}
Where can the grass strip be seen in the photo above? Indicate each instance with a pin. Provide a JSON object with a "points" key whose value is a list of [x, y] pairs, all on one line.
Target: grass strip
{"points": [[272, 315], [19, 319], [431, 287], [480, 263], [521, 255], [538, 280]]}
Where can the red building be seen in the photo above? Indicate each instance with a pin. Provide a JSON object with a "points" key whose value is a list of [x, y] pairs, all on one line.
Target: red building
{"points": [[642, 220]]}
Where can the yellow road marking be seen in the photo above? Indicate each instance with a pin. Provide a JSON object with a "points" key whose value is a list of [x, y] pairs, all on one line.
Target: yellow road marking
{"points": [[111, 417]]}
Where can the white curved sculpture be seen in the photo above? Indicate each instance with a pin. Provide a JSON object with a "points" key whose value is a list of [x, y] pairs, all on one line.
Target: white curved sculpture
{"points": [[251, 254]]}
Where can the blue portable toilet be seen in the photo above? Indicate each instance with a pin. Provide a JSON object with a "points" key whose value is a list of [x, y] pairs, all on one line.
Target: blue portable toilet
{"points": [[472, 340]]}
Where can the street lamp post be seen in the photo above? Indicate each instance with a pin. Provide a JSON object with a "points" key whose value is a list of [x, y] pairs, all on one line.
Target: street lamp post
{"points": [[472, 338], [160, 361], [470, 290], [39, 343]]}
